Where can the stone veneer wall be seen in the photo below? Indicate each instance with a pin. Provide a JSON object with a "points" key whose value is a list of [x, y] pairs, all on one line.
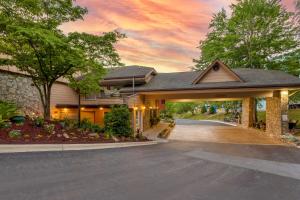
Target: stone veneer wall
{"points": [[18, 88], [247, 112]]}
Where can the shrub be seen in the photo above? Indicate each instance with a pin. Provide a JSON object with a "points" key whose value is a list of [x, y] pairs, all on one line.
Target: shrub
{"points": [[68, 123], [49, 128], [89, 126], [203, 109], [14, 133], [7, 110], [166, 115], [117, 121], [39, 121], [212, 110]]}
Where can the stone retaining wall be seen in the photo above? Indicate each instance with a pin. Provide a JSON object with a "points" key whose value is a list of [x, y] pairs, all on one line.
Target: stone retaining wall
{"points": [[18, 88]]}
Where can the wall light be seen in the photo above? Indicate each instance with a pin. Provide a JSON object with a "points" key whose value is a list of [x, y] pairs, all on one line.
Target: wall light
{"points": [[65, 110], [135, 108], [100, 108], [143, 107], [285, 92], [82, 108]]}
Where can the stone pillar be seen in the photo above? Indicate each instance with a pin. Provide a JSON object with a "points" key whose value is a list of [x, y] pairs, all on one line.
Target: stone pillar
{"points": [[247, 112], [277, 113]]}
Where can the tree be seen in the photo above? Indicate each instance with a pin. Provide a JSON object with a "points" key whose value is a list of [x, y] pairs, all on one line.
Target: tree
{"points": [[32, 41], [100, 52], [258, 34]]}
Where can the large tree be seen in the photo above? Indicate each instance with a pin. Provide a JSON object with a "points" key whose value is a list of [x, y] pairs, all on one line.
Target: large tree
{"points": [[257, 34], [32, 41]]}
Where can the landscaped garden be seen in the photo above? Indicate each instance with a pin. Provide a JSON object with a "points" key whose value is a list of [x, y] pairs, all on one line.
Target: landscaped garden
{"points": [[16, 128]]}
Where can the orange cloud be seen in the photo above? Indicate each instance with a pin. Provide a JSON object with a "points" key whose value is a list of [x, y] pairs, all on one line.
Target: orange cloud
{"points": [[163, 34]]}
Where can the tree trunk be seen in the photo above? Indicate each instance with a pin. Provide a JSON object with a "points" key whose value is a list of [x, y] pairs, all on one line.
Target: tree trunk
{"points": [[47, 113]]}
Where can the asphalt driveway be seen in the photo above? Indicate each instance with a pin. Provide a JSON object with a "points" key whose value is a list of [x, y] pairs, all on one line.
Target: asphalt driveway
{"points": [[214, 131], [169, 171]]}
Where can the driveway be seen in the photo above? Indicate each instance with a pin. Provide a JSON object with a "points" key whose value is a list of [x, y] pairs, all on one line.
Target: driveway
{"points": [[214, 131], [169, 171]]}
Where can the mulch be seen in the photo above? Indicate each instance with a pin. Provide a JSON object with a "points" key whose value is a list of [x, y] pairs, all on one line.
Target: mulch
{"points": [[32, 134]]}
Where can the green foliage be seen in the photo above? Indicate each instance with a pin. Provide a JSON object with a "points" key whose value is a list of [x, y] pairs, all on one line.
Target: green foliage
{"points": [[89, 126], [49, 128], [166, 115], [32, 41], [14, 134], [7, 110], [39, 121], [68, 123], [212, 109], [258, 34], [117, 121], [203, 109]]}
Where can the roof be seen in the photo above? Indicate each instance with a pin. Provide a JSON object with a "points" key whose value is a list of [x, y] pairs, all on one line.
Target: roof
{"points": [[129, 72], [252, 78]]}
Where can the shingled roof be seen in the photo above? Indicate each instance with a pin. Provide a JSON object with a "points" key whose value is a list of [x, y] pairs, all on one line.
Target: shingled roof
{"points": [[129, 72], [252, 78]]}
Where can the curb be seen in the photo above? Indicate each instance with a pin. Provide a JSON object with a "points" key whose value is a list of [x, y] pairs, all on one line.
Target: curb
{"points": [[221, 122], [21, 148]]}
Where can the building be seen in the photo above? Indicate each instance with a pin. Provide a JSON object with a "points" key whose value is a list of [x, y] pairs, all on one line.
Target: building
{"points": [[145, 92]]}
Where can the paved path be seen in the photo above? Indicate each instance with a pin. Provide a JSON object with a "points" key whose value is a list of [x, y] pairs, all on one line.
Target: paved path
{"points": [[169, 171], [207, 131]]}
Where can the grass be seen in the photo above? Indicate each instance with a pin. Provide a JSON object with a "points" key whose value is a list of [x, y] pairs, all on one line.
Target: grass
{"points": [[293, 114]]}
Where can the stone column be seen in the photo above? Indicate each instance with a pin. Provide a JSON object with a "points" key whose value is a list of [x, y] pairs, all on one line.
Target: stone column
{"points": [[277, 113], [247, 112]]}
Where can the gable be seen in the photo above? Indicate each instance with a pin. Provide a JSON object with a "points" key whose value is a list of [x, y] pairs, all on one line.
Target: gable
{"points": [[217, 72]]}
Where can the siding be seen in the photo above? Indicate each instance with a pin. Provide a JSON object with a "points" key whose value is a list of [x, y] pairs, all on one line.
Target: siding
{"points": [[221, 75], [63, 94]]}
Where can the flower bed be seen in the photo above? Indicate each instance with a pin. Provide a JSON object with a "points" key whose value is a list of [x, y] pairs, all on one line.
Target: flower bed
{"points": [[30, 132]]}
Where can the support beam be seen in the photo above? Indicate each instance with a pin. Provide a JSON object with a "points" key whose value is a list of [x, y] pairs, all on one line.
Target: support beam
{"points": [[247, 112], [277, 113]]}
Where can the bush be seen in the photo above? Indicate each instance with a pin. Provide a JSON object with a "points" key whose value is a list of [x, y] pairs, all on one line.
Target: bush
{"points": [[166, 115], [7, 110], [39, 121], [89, 126], [212, 110], [14, 133], [117, 121], [49, 128], [203, 109], [68, 123]]}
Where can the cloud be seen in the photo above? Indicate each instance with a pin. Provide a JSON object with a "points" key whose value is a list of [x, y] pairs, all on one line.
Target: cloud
{"points": [[163, 34]]}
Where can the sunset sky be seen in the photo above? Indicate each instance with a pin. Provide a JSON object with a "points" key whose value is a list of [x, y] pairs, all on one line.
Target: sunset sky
{"points": [[160, 33]]}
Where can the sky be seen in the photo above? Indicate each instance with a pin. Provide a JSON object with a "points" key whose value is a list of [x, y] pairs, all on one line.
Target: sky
{"points": [[163, 34]]}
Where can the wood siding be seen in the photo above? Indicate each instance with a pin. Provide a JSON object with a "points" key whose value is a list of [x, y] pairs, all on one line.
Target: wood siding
{"points": [[63, 94], [221, 75]]}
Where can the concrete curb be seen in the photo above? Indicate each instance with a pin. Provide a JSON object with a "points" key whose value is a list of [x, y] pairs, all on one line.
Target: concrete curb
{"points": [[218, 121], [19, 148]]}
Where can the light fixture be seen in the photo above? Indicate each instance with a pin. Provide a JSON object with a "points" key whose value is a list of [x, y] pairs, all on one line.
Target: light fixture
{"points": [[285, 92], [82, 108], [65, 109], [100, 108], [143, 107], [135, 108]]}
